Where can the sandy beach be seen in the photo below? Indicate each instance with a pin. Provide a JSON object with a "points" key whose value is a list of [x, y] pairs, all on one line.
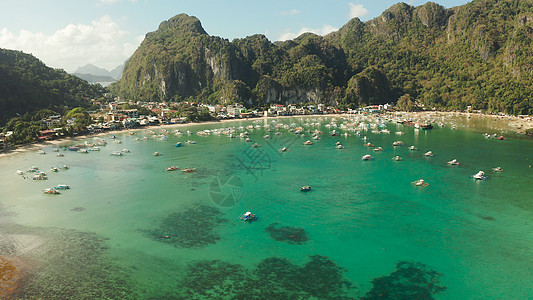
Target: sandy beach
{"points": [[500, 123]]}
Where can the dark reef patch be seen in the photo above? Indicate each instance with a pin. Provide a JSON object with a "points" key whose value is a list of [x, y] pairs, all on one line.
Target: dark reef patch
{"points": [[193, 228], [289, 234], [411, 280], [65, 264], [273, 278]]}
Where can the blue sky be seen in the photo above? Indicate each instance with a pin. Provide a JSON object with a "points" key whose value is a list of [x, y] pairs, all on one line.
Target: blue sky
{"points": [[71, 33]]}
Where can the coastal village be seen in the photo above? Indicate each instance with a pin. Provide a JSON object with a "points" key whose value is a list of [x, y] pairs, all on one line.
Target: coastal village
{"points": [[118, 115]]}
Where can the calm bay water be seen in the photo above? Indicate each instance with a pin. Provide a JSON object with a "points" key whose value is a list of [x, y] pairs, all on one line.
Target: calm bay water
{"points": [[163, 235]]}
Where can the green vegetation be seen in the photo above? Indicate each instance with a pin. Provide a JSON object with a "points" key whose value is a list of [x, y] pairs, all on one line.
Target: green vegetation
{"points": [[478, 55], [27, 85]]}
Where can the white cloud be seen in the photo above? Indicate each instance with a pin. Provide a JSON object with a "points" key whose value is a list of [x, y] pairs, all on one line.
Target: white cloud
{"points": [[287, 35], [102, 43], [291, 12], [357, 11]]}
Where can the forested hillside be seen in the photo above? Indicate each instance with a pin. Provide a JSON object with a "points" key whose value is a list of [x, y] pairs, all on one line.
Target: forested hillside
{"points": [[478, 54], [28, 85]]}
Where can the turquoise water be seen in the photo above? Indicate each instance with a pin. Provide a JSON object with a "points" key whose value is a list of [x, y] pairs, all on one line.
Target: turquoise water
{"points": [[173, 234]]}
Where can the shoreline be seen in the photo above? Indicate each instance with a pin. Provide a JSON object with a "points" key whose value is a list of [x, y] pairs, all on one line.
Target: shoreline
{"points": [[514, 124]]}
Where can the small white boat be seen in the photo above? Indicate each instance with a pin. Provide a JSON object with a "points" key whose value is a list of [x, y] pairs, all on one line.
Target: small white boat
{"points": [[126, 151], [479, 176], [397, 143], [453, 162], [397, 158], [173, 168], [41, 152], [412, 148], [377, 149], [33, 169], [19, 172], [60, 155], [54, 169], [498, 169], [116, 153], [284, 149], [95, 148], [339, 146], [367, 157], [65, 167], [420, 182], [83, 151], [429, 154], [157, 153], [308, 142]]}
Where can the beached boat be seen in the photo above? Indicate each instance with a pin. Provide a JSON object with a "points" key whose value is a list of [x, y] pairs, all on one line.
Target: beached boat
{"points": [[248, 217], [305, 188], [367, 157], [479, 176], [453, 162]]}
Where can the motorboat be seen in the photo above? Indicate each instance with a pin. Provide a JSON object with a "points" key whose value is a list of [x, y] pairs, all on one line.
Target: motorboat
{"points": [[367, 157], [412, 148], [284, 149], [339, 146], [420, 182], [255, 145], [19, 172], [65, 167], [479, 176], [397, 143], [188, 170], [369, 145], [54, 169], [397, 158], [116, 153], [377, 149], [33, 169], [173, 168], [95, 148], [305, 188], [51, 191], [248, 217], [126, 151], [60, 155], [82, 150], [429, 154], [497, 169], [454, 162], [178, 144], [62, 187], [157, 153], [39, 177], [308, 142]]}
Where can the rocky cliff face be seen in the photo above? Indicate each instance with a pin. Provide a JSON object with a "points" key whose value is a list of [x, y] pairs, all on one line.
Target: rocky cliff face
{"points": [[402, 51]]}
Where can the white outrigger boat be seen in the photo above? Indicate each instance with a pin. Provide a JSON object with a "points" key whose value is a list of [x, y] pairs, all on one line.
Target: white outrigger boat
{"points": [[479, 176], [453, 162]]}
